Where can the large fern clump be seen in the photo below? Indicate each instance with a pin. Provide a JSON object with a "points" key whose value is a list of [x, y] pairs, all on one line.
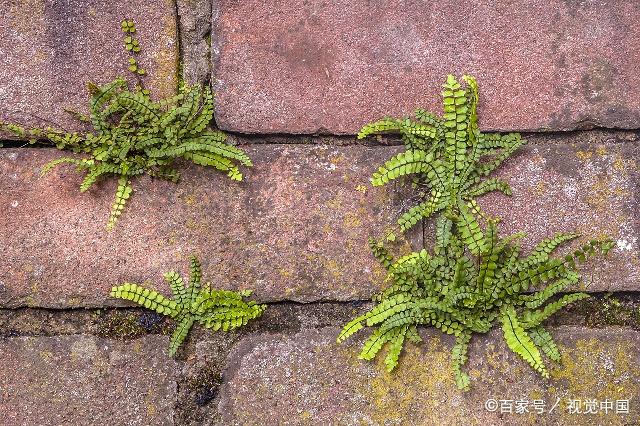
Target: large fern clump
{"points": [[135, 135], [474, 279], [462, 295], [214, 309], [448, 158]]}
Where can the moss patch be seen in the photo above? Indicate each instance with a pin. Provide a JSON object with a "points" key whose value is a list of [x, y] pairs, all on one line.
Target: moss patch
{"points": [[130, 324], [602, 310], [205, 384]]}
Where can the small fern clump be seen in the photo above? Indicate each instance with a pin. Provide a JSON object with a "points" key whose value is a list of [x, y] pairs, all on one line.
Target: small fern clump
{"points": [[473, 279], [449, 158], [214, 309], [462, 295], [134, 135]]}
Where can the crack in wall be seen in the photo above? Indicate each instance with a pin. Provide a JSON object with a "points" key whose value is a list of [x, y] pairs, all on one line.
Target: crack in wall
{"points": [[603, 309]]}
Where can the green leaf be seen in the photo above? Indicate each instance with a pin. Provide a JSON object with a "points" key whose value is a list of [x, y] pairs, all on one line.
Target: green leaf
{"points": [[123, 192], [520, 342]]}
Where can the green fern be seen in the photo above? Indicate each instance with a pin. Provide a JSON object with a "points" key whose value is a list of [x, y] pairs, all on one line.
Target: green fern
{"points": [[449, 157], [134, 135], [214, 309], [462, 295]]}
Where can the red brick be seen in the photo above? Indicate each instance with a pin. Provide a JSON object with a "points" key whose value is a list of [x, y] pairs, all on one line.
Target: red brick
{"points": [[84, 380], [330, 67], [308, 379], [49, 50], [296, 229]]}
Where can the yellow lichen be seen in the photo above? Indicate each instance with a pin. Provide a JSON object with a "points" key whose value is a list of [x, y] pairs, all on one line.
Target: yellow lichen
{"points": [[584, 155], [189, 199], [361, 188], [415, 389], [352, 220], [596, 370], [285, 272]]}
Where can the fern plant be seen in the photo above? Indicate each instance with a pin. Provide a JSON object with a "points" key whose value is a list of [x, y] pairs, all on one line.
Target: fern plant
{"points": [[214, 309], [449, 157], [462, 295], [134, 135]]}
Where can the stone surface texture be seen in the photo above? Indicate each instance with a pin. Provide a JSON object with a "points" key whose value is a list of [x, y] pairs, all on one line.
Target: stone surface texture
{"points": [[586, 183], [297, 228], [330, 67], [308, 379], [194, 20], [50, 49], [84, 380]]}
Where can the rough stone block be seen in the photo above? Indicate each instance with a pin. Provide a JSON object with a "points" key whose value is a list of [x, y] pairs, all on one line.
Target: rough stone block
{"points": [[194, 19], [330, 67], [50, 49], [296, 228], [308, 379], [84, 380], [585, 183]]}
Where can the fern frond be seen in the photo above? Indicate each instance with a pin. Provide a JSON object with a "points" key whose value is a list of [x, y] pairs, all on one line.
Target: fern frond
{"points": [[375, 342], [428, 118], [380, 126], [422, 211], [176, 284], [351, 328], [404, 163], [180, 334], [538, 298], [137, 103], [81, 163], [200, 122], [95, 173], [519, 341], [490, 185], [381, 253], [144, 297], [472, 103], [443, 232], [542, 338], [456, 123], [202, 145], [123, 192], [195, 273], [469, 229], [395, 347], [532, 319], [515, 142], [459, 358]]}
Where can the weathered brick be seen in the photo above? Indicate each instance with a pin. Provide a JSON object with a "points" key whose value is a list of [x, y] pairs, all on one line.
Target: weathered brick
{"points": [[84, 380], [330, 67], [194, 19], [585, 183], [308, 379], [296, 229], [49, 50]]}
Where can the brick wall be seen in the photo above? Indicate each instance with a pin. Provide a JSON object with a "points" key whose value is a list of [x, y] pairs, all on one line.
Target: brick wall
{"points": [[295, 80]]}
